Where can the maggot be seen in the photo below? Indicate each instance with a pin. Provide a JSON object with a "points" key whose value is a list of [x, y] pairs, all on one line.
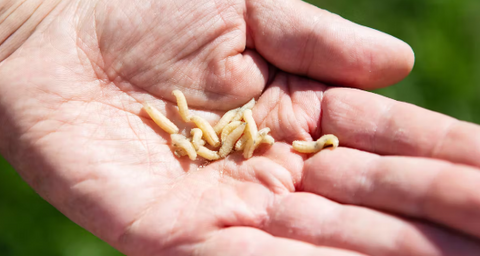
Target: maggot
{"points": [[228, 129], [316, 146], [240, 145], [160, 119], [207, 153], [208, 133], [179, 141], [252, 145], [229, 142], [197, 138], [225, 120], [242, 109]]}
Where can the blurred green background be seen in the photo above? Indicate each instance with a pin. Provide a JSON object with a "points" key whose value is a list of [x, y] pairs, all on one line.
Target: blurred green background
{"points": [[446, 78]]}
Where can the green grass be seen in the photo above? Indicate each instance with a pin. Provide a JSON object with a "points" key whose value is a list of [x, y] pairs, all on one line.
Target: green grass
{"points": [[446, 78], [30, 226]]}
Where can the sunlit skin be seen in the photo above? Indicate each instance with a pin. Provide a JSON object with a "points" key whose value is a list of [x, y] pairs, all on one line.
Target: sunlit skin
{"points": [[403, 182]]}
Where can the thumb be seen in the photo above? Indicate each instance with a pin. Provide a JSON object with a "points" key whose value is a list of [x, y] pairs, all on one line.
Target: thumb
{"points": [[303, 39]]}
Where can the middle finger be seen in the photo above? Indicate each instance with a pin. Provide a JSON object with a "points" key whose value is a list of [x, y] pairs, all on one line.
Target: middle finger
{"points": [[380, 125], [423, 188]]}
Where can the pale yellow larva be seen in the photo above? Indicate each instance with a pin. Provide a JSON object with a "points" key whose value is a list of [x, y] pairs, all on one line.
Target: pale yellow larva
{"points": [[328, 140], [251, 146], [228, 129], [160, 119], [242, 109], [240, 145], [251, 133], [208, 133], [179, 141], [197, 138], [225, 120], [305, 146], [263, 132], [251, 125], [207, 153], [316, 146], [229, 142], [179, 152], [182, 105], [268, 139]]}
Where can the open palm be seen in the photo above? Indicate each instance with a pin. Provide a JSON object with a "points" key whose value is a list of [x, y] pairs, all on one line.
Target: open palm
{"points": [[72, 96]]}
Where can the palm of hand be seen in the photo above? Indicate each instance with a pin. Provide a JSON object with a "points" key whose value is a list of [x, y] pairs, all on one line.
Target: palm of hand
{"points": [[134, 188], [113, 170]]}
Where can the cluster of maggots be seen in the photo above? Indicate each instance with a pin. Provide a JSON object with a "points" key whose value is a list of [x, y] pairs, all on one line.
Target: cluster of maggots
{"points": [[235, 131]]}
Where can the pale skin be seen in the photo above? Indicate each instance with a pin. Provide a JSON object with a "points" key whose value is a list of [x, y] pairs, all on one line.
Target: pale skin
{"points": [[71, 94]]}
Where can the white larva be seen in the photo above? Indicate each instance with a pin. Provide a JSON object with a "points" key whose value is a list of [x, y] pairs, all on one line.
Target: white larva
{"points": [[242, 109], [305, 146], [229, 142], [226, 118], [250, 147], [251, 125], [180, 142], [261, 137], [160, 119], [264, 131], [228, 129], [207, 153], [180, 152], [240, 145], [251, 133], [268, 139], [182, 105], [316, 146], [328, 140], [208, 133], [197, 138]]}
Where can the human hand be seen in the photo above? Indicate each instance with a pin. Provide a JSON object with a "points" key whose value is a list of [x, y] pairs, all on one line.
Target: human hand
{"points": [[71, 98]]}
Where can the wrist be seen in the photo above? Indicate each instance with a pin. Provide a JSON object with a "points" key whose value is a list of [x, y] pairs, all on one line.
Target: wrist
{"points": [[18, 20]]}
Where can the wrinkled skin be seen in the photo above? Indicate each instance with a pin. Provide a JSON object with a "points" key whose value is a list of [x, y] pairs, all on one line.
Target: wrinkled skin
{"points": [[72, 125]]}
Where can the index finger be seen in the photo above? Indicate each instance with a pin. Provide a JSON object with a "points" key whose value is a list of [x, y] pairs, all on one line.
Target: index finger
{"points": [[303, 39], [377, 124]]}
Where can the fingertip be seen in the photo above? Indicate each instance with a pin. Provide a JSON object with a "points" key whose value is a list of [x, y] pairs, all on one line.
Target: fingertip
{"points": [[367, 58], [410, 57], [393, 63]]}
